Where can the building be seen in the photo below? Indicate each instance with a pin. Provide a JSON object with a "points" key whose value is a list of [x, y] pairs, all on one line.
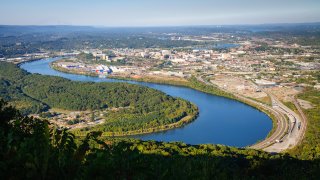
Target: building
{"points": [[226, 56], [265, 83], [166, 52], [101, 56]]}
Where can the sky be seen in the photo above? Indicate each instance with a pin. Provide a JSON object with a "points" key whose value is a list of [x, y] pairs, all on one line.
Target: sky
{"points": [[157, 12]]}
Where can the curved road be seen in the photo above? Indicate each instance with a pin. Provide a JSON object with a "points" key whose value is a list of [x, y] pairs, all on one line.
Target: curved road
{"points": [[303, 119], [290, 127], [297, 128], [282, 129]]}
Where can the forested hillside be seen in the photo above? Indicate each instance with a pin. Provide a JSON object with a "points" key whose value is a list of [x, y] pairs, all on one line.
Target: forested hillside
{"points": [[139, 107], [310, 146], [30, 149]]}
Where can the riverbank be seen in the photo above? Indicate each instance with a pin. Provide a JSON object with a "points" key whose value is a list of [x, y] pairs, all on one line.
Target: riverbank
{"points": [[183, 121], [182, 82], [27, 61], [192, 83], [118, 106], [220, 121], [180, 123]]}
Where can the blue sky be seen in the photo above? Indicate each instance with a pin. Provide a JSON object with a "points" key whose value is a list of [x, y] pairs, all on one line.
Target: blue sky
{"points": [[157, 12]]}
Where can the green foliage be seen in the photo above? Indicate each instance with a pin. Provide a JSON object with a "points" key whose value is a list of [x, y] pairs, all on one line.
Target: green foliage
{"points": [[195, 84], [310, 146], [13, 49], [277, 50], [160, 160], [138, 107], [30, 149], [309, 41], [47, 114], [142, 118], [85, 56], [10, 90]]}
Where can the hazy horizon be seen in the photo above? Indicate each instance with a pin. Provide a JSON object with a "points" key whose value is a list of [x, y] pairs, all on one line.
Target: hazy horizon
{"points": [[164, 26], [154, 13]]}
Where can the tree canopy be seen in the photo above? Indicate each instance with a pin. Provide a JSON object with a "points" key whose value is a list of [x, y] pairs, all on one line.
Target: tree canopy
{"points": [[139, 107], [31, 149]]}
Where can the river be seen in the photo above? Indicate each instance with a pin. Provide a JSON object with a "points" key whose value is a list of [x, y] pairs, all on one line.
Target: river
{"points": [[221, 120]]}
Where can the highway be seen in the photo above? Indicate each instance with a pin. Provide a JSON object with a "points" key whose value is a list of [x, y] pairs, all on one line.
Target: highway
{"points": [[290, 127], [303, 125], [297, 127], [282, 127]]}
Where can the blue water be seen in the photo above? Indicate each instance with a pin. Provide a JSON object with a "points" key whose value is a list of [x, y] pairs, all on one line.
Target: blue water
{"points": [[220, 121]]}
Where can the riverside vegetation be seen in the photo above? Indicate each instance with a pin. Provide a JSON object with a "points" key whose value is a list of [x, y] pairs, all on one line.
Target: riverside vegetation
{"points": [[31, 148], [139, 108], [191, 82], [309, 149], [310, 145], [32, 143]]}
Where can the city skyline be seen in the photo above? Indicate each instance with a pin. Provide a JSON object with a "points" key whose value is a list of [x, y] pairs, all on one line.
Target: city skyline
{"points": [[157, 13]]}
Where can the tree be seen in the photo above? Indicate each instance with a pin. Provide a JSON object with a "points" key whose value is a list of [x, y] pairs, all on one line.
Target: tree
{"points": [[30, 149], [85, 56], [92, 116]]}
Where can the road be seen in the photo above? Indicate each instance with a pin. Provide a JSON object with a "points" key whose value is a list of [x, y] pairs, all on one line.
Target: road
{"points": [[290, 127], [282, 128], [297, 127], [304, 121]]}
